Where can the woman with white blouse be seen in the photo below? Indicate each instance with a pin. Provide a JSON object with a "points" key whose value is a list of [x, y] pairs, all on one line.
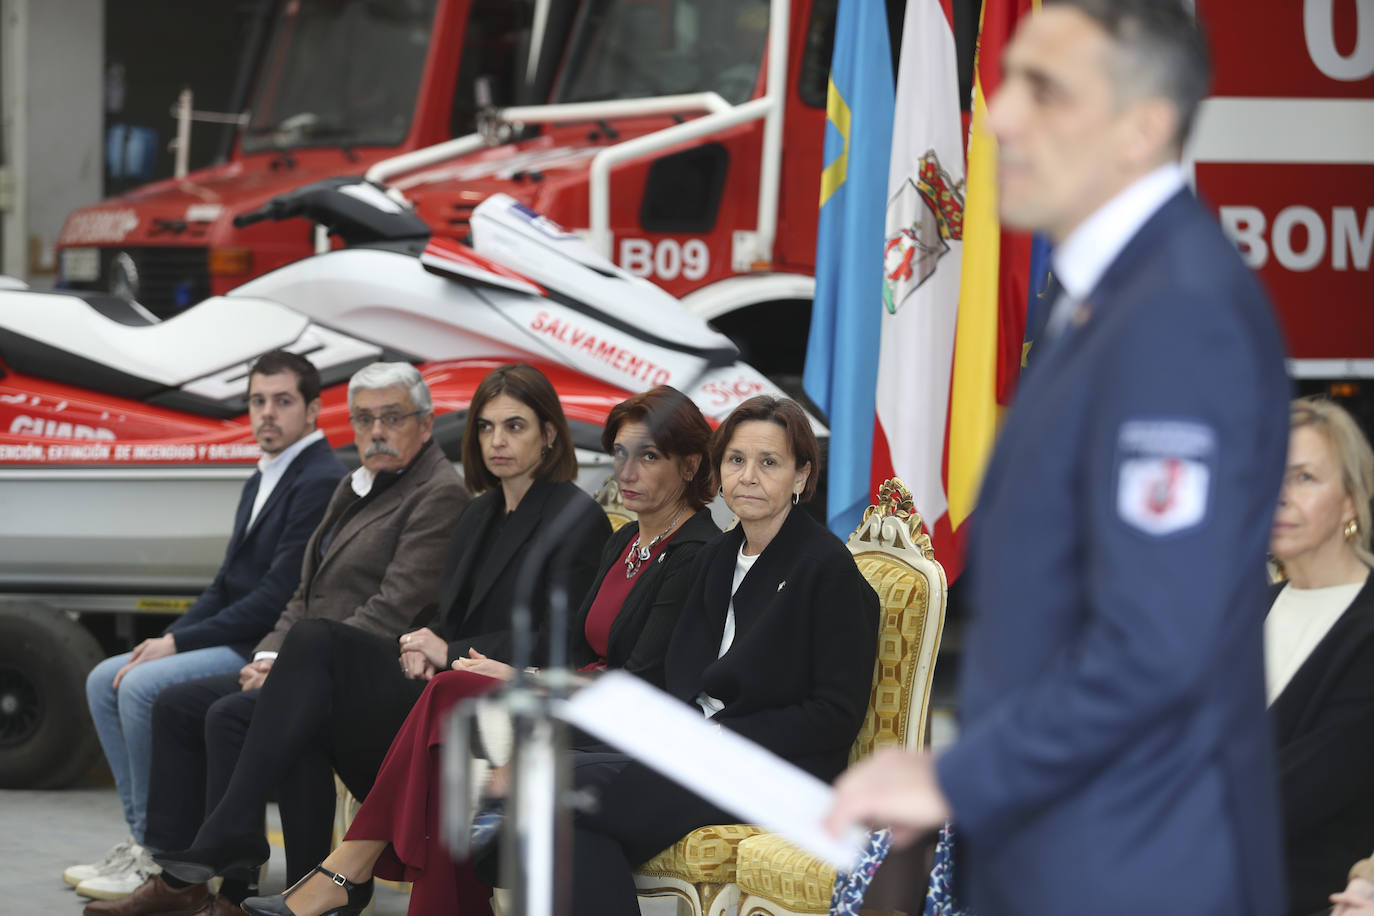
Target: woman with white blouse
{"points": [[1319, 651]]}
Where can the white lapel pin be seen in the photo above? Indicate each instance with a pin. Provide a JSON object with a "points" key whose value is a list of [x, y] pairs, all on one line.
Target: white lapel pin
{"points": [[781, 584]]}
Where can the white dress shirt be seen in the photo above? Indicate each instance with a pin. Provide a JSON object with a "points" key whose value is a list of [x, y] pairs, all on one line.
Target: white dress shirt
{"points": [[1081, 259], [272, 467], [709, 704], [361, 480]]}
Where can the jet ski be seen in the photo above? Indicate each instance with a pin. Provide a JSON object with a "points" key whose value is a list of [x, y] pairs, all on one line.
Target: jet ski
{"points": [[124, 440]]}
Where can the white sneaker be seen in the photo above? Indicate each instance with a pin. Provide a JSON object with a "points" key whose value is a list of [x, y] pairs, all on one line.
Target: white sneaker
{"points": [[119, 857], [118, 884]]}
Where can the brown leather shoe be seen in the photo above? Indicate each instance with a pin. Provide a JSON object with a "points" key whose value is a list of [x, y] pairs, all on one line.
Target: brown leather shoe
{"points": [[152, 898], [219, 905]]}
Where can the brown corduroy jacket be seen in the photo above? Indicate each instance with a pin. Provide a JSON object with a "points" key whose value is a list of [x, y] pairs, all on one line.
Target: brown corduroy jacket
{"points": [[381, 567]]}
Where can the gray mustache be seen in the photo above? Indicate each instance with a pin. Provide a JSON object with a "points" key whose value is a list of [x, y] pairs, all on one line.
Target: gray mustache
{"points": [[381, 448]]}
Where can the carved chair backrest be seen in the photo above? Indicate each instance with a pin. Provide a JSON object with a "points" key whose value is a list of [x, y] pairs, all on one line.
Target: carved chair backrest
{"points": [[895, 555]]}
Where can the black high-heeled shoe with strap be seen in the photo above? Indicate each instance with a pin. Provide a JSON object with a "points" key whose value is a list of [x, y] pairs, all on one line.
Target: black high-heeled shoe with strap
{"points": [[358, 897]]}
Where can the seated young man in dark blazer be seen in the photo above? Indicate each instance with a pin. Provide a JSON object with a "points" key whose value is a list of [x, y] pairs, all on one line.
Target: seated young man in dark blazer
{"points": [[281, 504]]}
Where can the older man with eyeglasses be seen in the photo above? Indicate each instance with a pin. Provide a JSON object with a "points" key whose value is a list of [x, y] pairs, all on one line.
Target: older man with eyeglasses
{"points": [[373, 563]]}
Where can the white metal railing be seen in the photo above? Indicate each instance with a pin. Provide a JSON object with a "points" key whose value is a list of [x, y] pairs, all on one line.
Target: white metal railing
{"points": [[386, 169], [183, 139], [615, 108], [599, 172], [719, 115], [383, 171], [185, 114], [770, 170]]}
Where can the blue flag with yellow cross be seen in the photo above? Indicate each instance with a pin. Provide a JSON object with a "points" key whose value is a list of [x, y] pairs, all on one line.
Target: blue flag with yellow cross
{"points": [[841, 371]]}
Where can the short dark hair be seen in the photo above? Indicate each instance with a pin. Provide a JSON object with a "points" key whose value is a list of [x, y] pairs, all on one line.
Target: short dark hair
{"points": [[677, 428], [786, 413], [1160, 49], [275, 362], [530, 387]]}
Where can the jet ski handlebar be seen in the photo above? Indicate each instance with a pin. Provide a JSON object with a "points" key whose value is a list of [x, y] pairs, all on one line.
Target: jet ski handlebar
{"points": [[270, 210], [356, 210]]}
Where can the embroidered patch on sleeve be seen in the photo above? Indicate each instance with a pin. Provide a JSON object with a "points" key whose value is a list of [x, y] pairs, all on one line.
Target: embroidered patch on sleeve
{"points": [[1164, 474]]}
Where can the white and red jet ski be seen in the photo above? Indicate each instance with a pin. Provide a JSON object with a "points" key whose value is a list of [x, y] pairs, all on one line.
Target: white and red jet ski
{"points": [[124, 440]]}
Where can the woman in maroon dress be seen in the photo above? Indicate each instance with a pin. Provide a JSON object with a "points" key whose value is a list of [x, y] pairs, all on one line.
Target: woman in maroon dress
{"points": [[659, 442]]}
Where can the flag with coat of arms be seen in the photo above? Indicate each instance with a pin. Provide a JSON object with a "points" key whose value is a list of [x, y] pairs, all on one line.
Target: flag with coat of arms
{"points": [[949, 366], [922, 255]]}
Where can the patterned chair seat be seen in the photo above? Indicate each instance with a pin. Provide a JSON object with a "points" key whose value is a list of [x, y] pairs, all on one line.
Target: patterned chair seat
{"points": [[698, 870], [704, 855], [772, 868]]}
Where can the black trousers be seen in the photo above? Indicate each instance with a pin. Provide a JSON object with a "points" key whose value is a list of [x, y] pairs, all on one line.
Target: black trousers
{"points": [[638, 815], [198, 730], [333, 701]]}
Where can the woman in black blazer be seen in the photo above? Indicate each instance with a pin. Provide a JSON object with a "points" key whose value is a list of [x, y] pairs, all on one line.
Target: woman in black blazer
{"points": [[776, 641], [658, 442], [638, 638], [1319, 652], [337, 696]]}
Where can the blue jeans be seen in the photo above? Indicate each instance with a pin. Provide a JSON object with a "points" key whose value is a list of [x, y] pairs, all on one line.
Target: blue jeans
{"points": [[123, 717]]}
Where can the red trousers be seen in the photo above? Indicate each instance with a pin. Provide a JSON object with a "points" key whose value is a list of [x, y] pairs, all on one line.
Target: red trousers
{"points": [[404, 805]]}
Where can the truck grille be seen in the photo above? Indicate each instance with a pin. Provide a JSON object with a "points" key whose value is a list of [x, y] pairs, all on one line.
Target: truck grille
{"points": [[169, 279]]}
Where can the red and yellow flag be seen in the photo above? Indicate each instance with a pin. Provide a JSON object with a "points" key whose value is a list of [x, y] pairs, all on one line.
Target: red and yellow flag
{"points": [[992, 292]]}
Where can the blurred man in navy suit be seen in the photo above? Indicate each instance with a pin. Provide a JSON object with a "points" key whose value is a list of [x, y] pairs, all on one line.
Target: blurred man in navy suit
{"points": [[1114, 755]]}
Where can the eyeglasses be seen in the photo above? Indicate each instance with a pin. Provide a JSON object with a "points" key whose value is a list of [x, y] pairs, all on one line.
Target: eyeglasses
{"points": [[388, 420]]}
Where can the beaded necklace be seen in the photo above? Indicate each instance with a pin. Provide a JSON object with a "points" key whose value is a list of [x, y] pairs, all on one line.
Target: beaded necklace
{"points": [[639, 554]]}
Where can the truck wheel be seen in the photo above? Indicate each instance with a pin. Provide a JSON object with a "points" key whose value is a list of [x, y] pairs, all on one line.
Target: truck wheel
{"points": [[46, 736]]}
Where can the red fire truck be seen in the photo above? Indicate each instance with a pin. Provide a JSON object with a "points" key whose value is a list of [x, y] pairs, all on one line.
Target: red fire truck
{"points": [[683, 138], [663, 142], [1285, 153], [339, 85]]}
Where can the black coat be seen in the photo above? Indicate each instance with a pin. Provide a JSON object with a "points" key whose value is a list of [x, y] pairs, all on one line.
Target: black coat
{"points": [[639, 635], [798, 675], [1324, 726], [485, 624]]}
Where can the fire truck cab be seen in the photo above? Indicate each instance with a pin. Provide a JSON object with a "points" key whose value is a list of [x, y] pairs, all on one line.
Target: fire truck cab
{"points": [[683, 140], [338, 86]]}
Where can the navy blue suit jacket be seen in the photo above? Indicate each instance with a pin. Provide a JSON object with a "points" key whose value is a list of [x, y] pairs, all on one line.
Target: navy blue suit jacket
{"points": [[262, 565], [1115, 755]]}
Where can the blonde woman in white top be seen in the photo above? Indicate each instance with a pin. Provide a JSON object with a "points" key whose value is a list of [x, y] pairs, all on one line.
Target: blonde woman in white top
{"points": [[1319, 651]]}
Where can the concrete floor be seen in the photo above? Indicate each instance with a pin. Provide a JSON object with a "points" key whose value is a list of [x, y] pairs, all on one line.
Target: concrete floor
{"points": [[41, 833]]}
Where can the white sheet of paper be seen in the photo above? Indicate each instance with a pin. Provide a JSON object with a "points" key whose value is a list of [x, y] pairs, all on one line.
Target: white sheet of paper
{"points": [[715, 763]]}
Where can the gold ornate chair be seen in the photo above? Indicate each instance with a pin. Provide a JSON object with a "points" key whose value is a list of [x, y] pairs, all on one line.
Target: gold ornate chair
{"points": [[716, 869], [608, 497]]}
